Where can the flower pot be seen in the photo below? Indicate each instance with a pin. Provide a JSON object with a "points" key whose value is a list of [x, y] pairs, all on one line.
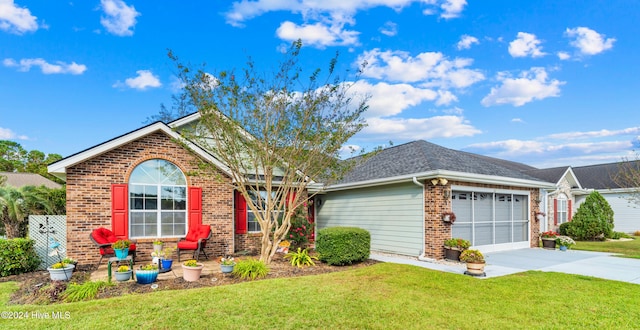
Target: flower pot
{"points": [[146, 276], [61, 274], [192, 274], [475, 268], [452, 253], [167, 263], [121, 253], [549, 243], [123, 276], [227, 268], [563, 248], [157, 248]]}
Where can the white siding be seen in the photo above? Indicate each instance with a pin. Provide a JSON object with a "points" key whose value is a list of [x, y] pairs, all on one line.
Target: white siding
{"points": [[393, 215], [626, 216]]}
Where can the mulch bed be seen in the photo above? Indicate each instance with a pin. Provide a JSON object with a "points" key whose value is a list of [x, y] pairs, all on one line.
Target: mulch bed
{"points": [[37, 288]]}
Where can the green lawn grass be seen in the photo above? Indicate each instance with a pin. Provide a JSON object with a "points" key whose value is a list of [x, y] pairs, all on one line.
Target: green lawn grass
{"points": [[629, 249], [383, 296]]}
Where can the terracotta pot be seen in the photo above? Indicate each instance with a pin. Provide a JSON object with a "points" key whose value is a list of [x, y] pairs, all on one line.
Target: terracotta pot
{"points": [[474, 268], [192, 274]]}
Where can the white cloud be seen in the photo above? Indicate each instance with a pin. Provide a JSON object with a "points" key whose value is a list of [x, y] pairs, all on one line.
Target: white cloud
{"points": [[144, 80], [419, 128], [466, 41], [596, 134], [7, 134], [431, 69], [119, 18], [589, 42], [389, 29], [452, 8], [58, 67], [517, 120], [531, 85], [563, 55], [391, 99], [526, 44], [17, 20], [317, 35], [446, 98]]}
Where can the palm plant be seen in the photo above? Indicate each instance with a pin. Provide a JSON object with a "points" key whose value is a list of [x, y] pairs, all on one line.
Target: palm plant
{"points": [[16, 204]]}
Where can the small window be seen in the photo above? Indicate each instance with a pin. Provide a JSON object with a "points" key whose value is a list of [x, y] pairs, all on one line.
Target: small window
{"points": [[561, 211], [252, 223]]}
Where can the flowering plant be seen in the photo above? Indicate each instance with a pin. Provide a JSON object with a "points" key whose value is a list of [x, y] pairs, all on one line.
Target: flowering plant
{"points": [[565, 241], [149, 267], [122, 269], [549, 234], [121, 244], [458, 243], [191, 263], [301, 229], [228, 261], [473, 256]]}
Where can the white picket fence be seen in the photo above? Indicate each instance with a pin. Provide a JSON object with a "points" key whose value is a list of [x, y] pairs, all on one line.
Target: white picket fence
{"points": [[45, 228]]}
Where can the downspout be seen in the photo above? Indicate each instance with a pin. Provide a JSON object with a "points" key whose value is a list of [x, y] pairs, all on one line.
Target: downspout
{"points": [[421, 185]]}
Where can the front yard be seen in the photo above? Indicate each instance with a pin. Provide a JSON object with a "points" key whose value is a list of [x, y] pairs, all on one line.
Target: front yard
{"points": [[629, 249], [381, 296]]}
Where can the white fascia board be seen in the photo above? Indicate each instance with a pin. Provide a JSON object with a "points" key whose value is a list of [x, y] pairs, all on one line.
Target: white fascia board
{"points": [[59, 168], [449, 175], [185, 120]]}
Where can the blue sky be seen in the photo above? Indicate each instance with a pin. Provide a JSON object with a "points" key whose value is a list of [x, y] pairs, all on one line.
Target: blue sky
{"points": [[547, 83]]}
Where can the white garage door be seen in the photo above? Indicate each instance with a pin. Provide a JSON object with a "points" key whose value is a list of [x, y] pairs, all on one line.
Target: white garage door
{"points": [[491, 220], [393, 215]]}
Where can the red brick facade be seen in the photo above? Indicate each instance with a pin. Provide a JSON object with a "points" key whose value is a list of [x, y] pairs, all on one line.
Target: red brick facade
{"points": [[435, 203], [89, 187]]}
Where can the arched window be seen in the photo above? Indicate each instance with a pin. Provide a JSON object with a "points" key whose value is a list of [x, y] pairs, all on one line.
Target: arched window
{"points": [[157, 200], [562, 209]]}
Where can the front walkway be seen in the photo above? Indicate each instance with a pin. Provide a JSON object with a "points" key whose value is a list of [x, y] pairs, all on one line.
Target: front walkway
{"points": [[596, 264], [210, 266]]}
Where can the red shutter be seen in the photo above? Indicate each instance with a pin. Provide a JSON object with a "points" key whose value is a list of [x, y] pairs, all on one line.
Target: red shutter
{"points": [[195, 206], [555, 212], [240, 213], [569, 215], [119, 210]]}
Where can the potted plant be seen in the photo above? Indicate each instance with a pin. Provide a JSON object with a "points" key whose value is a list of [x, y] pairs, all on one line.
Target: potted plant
{"points": [[123, 273], [565, 242], [227, 264], [60, 271], [449, 217], [454, 246], [549, 239], [191, 270], [70, 261], [121, 248], [167, 258], [147, 274], [157, 245], [475, 262]]}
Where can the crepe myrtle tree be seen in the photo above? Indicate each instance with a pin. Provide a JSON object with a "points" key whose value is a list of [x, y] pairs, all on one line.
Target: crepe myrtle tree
{"points": [[277, 132]]}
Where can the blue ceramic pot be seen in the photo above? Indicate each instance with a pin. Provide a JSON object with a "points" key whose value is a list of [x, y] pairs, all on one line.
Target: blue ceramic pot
{"points": [[121, 253], [146, 276], [167, 263]]}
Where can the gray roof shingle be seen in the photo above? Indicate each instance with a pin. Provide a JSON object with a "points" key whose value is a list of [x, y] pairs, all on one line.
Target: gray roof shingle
{"points": [[18, 180], [421, 156]]}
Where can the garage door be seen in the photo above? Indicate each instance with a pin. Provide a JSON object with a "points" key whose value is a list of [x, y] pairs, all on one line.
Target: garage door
{"points": [[492, 221], [392, 214]]}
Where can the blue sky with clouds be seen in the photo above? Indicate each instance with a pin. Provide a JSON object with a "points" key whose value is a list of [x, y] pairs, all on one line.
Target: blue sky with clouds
{"points": [[546, 83]]}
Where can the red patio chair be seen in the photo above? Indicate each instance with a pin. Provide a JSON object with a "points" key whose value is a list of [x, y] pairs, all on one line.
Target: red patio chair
{"points": [[103, 238], [195, 240]]}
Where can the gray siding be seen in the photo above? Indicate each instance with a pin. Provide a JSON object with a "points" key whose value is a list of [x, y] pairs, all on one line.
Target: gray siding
{"points": [[393, 214]]}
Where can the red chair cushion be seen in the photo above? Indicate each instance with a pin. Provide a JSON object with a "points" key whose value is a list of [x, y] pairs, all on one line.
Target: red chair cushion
{"points": [[103, 236], [197, 232], [187, 245]]}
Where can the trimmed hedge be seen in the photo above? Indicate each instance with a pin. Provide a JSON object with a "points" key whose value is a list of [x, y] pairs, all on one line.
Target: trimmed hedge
{"points": [[17, 256], [343, 245]]}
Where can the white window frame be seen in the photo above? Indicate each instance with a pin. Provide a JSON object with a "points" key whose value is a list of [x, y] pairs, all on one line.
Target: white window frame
{"points": [[562, 208]]}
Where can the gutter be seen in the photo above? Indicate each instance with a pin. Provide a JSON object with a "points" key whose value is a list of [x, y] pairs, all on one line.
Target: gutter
{"points": [[421, 185]]}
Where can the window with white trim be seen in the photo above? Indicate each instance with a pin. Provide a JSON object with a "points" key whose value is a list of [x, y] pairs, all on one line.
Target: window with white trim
{"points": [[562, 208], [259, 199], [157, 200]]}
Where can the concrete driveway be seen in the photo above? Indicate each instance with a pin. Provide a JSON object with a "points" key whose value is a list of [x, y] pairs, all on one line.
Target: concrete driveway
{"points": [[596, 264]]}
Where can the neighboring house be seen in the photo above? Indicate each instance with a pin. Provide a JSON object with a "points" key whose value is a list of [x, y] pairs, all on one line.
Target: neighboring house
{"points": [[400, 195], [573, 184], [18, 180]]}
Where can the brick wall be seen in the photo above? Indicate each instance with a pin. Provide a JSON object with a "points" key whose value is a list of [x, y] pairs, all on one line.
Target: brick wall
{"points": [[89, 196], [251, 242], [435, 203]]}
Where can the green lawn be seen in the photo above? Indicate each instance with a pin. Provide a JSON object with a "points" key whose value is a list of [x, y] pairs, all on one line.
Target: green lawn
{"points": [[629, 249], [383, 296]]}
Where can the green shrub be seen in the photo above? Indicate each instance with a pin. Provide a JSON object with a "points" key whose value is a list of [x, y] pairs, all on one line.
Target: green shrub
{"points": [[343, 245], [17, 256], [619, 235], [593, 220], [250, 269]]}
